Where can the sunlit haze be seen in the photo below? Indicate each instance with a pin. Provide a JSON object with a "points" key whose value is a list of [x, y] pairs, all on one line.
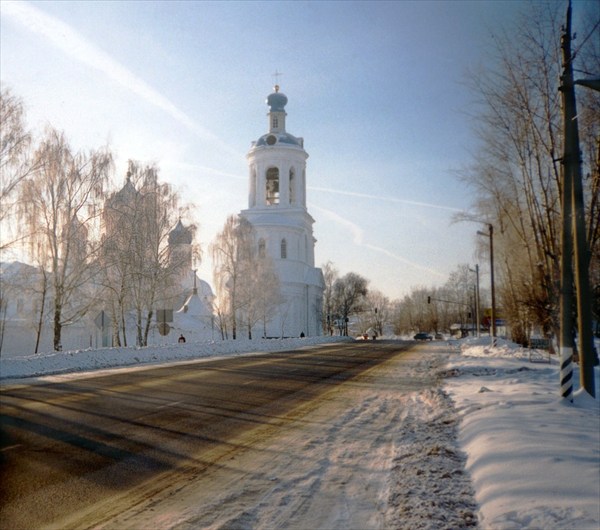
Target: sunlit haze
{"points": [[376, 89]]}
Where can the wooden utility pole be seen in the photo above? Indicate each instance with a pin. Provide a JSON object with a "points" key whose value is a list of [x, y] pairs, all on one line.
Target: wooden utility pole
{"points": [[574, 224]]}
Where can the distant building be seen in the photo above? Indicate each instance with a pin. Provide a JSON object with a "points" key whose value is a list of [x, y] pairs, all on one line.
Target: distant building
{"points": [[189, 300], [277, 211], [193, 298]]}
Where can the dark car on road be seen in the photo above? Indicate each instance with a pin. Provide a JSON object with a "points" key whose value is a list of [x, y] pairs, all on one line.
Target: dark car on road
{"points": [[423, 336]]}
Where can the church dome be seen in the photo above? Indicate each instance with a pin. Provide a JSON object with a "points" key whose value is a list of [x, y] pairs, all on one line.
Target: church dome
{"points": [[273, 139], [277, 100], [180, 235], [125, 196]]}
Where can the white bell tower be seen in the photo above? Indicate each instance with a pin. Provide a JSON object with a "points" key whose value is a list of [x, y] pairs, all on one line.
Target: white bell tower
{"points": [[277, 210]]}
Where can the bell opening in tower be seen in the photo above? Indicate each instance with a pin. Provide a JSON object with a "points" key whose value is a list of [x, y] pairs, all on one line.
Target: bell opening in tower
{"points": [[273, 186]]}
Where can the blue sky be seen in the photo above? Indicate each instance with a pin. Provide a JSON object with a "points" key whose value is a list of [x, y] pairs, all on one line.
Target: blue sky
{"points": [[376, 89]]}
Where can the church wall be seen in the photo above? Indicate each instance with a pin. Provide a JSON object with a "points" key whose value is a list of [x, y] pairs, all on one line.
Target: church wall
{"points": [[301, 311]]}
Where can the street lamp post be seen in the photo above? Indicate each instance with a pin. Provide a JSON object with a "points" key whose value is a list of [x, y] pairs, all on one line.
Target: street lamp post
{"points": [[491, 236]]}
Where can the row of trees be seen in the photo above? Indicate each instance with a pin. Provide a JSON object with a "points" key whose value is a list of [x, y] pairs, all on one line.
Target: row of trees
{"points": [[449, 308], [350, 307], [141, 259], [349, 303], [517, 171], [91, 247]]}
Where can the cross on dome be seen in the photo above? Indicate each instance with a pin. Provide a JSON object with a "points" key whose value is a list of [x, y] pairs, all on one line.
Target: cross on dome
{"points": [[277, 75]]}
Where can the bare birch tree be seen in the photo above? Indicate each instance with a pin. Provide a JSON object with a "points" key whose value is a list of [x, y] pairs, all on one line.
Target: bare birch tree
{"points": [[261, 293], [247, 286], [16, 162], [232, 251], [57, 208], [330, 275], [119, 234], [143, 265]]}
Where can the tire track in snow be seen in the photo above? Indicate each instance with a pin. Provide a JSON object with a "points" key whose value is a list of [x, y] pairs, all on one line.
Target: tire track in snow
{"points": [[390, 460], [378, 451]]}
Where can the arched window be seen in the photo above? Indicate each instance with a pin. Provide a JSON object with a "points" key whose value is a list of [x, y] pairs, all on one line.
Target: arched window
{"points": [[292, 186], [261, 248], [283, 249], [275, 122], [273, 185]]}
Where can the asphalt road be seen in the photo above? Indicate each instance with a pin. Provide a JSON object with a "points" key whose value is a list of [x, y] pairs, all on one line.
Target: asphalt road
{"points": [[74, 452]]}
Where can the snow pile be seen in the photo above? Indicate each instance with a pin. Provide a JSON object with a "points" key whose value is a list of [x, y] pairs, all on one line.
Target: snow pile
{"points": [[94, 359], [482, 347], [534, 458]]}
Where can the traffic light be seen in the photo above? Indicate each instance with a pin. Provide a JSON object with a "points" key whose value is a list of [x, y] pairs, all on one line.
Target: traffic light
{"points": [[429, 299]]}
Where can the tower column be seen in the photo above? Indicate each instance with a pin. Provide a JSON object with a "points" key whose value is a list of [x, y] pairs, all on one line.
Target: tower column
{"points": [[284, 184], [261, 184]]}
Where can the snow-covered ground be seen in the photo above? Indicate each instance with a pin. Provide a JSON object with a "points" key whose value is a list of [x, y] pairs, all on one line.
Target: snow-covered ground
{"points": [[534, 459]]}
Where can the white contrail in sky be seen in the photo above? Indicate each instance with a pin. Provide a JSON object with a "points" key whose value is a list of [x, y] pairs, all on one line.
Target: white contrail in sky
{"points": [[73, 44], [405, 261], [358, 239], [384, 198], [356, 231], [205, 170]]}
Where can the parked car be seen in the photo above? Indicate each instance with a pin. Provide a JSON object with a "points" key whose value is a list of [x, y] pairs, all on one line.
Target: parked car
{"points": [[423, 336]]}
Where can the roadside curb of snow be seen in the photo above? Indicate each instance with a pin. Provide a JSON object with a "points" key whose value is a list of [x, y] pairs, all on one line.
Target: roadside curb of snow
{"points": [[94, 359], [508, 401]]}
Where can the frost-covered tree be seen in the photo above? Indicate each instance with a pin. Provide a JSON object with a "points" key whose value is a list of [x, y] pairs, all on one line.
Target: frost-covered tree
{"points": [[16, 162], [119, 234], [330, 275], [58, 207], [266, 295], [139, 266], [233, 250], [247, 286]]}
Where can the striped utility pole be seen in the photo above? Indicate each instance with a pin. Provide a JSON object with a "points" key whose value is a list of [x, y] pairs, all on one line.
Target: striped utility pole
{"points": [[566, 283], [573, 239]]}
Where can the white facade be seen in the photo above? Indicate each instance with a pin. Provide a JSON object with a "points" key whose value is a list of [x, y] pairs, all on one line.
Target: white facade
{"points": [[277, 210], [190, 302]]}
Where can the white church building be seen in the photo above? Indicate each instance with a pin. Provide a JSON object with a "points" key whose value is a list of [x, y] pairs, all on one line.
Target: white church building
{"points": [[284, 228], [284, 232]]}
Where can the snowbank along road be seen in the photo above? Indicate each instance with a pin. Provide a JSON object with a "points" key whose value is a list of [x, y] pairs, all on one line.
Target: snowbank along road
{"points": [[352, 435]]}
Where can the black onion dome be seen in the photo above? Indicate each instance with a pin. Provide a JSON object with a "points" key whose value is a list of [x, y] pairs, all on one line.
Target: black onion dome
{"points": [[180, 235]]}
